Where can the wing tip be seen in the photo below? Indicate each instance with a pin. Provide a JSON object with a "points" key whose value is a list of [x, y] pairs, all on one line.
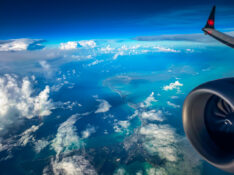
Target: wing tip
{"points": [[211, 20]]}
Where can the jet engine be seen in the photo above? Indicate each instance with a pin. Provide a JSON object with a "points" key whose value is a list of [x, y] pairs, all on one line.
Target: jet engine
{"points": [[208, 120]]}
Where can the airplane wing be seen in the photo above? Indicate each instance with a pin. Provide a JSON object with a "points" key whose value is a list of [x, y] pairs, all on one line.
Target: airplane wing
{"points": [[210, 30]]}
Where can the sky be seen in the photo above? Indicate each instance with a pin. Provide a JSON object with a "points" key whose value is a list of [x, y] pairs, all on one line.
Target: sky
{"points": [[63, 20]]}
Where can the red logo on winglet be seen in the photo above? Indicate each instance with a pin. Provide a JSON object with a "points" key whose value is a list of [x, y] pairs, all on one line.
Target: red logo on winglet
{"points": [[211, 22]]}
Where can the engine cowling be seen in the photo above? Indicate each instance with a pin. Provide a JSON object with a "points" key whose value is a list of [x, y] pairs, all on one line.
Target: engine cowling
{"points": [[208, 120]]}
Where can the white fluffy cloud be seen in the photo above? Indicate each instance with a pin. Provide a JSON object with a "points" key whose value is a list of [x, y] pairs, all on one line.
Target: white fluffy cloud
{"points": [[171, 86], [190, 50], [120, 171], [44, 65], [66, 137], [70, 45], [17, 101], [21, 140], [173, 105], [88, 131], [107, 49], [158, 139], [174, 97], [73, 165], [104, 106], [20, 44], [148, 101], [161, 140], [16, 45], [156, 171], [27, 136], [40, 145], [124, 123], [121, 125], [88, 43], [136, 50], [121, 53], [163, 49], [152, 115], [95, 62]]}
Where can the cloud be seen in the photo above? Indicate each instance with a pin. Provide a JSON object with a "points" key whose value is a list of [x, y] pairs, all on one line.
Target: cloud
{"points": [[95, 62], [21, 44], [148, 101], [44, 65], [27, 136], [72, 165], [17, 101], [174, 97], [104, 106], [121, 53], [124, 124], [121, 125], [137, 49], [40, 145], [126, 50], [140, 173], [70, 45], [88, 131], [188, 162], [120, 171], [66, 137], [152, 115], [107, 49], [68, 105], [160, 139], [190, 50], [156, 171], [163, 49], [159, 142], [157, 139], [173, 105], [87, 43], [171, 86], [48, 71], [71, 51]]}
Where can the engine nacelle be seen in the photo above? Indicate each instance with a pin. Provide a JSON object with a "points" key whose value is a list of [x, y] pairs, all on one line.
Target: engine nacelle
{"points": [[208, 120]]}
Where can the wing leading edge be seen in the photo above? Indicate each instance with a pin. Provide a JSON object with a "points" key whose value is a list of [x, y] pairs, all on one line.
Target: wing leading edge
{"points": [[210, 30]]}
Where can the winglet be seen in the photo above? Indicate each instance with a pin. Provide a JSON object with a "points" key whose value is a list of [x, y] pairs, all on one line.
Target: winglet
{"points": [[211, 19]]}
